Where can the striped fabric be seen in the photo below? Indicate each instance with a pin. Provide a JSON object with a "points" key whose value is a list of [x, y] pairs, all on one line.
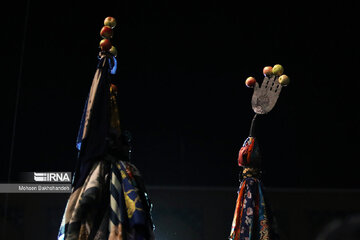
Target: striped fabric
{"points": [[250, 221], [127, 204], [83, 204], [90, 214]]}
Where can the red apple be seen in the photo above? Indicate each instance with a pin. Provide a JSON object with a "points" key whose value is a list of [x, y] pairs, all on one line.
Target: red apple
{"points": [[105, 44], [250, 82], [267, 71], [110, 21], [106, 32], [113, 51]]}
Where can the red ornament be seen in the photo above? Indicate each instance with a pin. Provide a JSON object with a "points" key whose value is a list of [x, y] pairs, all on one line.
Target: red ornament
{"points": [[244, 158], [105, 45], [267, 71], [250, 82], [106, 32]]}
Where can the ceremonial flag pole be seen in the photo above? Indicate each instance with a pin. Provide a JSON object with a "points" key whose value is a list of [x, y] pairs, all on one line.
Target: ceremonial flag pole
{"points": [[252, 218], [108, 199]]}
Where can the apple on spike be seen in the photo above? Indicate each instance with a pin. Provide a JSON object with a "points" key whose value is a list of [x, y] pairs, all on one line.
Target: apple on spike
{"points": [[250, 82], [278, 70], [110, 21], [267, 71], [105, 44], [113, 51], [106, 32], [284, 80]]}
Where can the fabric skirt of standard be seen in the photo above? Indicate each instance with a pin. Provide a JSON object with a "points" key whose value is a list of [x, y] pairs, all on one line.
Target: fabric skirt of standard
{"points": [[112, 204], [251, 218]]}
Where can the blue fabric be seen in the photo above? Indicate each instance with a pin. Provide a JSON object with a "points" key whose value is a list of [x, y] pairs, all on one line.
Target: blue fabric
{"points": [[94, 145], [131, 208], [100, 156], [130, 189], [114, 66], [248, 209], [251, 218], [81, 128]]}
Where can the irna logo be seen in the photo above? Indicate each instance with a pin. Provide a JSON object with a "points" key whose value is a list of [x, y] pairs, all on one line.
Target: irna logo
{"points": [[52, 177]]}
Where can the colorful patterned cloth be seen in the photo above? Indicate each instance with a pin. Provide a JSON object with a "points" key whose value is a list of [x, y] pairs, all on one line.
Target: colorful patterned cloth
{"points": [[109, 206], [108, 200], [252, 219]]}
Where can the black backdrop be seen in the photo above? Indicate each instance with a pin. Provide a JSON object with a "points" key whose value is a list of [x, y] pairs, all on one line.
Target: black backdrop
{"points": [[182, 67]]}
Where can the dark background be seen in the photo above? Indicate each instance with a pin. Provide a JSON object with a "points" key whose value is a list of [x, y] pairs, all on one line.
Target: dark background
{"points": [[182, 67]]}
